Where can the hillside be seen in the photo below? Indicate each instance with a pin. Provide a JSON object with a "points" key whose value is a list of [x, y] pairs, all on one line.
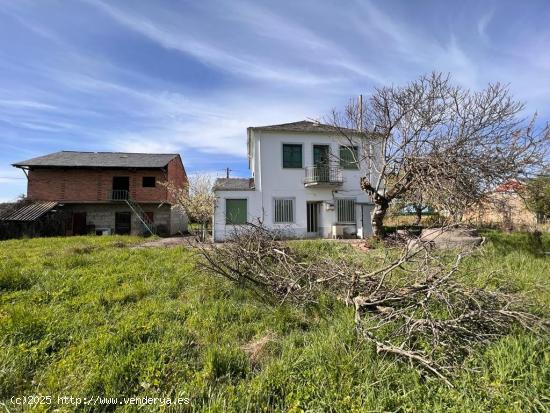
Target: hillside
{"points": [[90, 316]]}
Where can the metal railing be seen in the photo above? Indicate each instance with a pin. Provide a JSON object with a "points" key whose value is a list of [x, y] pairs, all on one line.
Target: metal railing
{"points": [[323, 175], [119, 195], [124, 196]]}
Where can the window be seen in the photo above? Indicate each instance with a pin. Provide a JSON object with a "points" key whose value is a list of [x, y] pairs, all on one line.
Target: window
{"points": [[345, 209], [292, 156], [148, 182], [235, 211], [284, 211], [349, 157]]}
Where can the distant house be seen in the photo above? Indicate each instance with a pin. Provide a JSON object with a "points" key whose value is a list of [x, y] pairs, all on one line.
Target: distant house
{"points": [[505, 207], [304, 182], [103, 192]]}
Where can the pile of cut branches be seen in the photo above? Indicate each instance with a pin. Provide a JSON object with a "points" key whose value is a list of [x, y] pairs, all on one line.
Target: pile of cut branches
{"points": [[256, 258], [431, 318], [414, 307]]}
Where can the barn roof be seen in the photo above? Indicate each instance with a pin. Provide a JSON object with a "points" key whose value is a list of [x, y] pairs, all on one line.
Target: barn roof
{"points": [[70, 159], [30, 212]]}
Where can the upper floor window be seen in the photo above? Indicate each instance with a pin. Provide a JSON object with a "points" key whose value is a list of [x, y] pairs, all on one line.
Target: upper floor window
{"points": [[284, 211], [235, 211], [349, 157], [149, 182], [292, 155]]}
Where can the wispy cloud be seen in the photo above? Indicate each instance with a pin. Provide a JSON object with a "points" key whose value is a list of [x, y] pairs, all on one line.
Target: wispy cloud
{"points": [[191, 76]]}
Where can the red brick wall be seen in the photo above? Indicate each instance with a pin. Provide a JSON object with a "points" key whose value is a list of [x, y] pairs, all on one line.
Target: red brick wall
{"points": [[176, 173], [95, 184]]}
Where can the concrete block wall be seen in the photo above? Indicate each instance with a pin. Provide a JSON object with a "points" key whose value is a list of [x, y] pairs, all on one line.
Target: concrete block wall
{"points": [[103, 216]]}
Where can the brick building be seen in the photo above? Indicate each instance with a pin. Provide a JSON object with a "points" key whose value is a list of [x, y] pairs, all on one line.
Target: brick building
{"points": [[107, 192]]}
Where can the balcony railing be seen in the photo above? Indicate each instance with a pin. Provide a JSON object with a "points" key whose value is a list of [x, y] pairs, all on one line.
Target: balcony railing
{"points": [[323, 176], [118, 195]]}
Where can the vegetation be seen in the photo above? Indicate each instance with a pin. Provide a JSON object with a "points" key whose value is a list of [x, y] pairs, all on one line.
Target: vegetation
{"points": [[91, 316], [538, 195], [443, 141], [196, 199]]}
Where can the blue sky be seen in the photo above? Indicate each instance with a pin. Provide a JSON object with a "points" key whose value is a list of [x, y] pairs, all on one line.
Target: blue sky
{"points": [[190, 76]]}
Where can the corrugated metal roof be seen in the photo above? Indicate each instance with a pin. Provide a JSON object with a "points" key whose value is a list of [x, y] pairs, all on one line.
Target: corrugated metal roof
{"points": [[70, 159], [30, 212], [234, 184]]}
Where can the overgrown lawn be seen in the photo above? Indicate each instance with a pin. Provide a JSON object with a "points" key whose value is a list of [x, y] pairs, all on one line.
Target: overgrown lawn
{"points": [[90, 316]]}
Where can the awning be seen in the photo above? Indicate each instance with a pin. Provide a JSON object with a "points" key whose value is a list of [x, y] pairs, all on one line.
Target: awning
{"points": [[30, 212]]}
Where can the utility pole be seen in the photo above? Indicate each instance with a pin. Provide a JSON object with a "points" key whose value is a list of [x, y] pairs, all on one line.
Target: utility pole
{"points": [[360, 113], [227, 170]]}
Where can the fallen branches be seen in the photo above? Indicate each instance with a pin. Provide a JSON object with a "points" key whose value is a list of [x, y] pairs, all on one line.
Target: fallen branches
{"points": [[257, 259], [414, 307], [434, 320]]}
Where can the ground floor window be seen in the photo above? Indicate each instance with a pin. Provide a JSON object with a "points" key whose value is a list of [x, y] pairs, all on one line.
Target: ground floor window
{"points": [[284, 211], [235, 211], [345, 210]]}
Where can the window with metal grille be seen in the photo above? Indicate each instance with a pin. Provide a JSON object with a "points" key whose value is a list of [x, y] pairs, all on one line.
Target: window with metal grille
{"points": [[292, 155], [345, 209], [349, 157], [284, 211], [235, 211]]}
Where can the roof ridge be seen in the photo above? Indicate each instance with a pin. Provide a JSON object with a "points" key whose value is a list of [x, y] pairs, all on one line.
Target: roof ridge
{"points": [[124, 153]]}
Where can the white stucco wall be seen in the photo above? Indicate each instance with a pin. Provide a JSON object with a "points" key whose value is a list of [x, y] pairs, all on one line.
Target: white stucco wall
{"points": [[273, 181]]}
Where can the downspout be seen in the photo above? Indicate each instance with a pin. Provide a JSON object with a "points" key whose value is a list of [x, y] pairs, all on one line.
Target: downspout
{"points": [[260, 172]]}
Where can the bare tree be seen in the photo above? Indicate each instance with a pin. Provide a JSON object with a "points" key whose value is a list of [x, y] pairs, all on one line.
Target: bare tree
{"points": [[196, 199], [450, 143]]}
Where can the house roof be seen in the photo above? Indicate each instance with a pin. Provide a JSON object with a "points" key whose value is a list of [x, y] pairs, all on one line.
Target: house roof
{"points": [[70, 159], [29, 212], [302, 126], [234, 184]]}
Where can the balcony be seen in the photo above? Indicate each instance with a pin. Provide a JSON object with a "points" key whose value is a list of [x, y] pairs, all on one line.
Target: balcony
{"points": [[118, 195], [323, 177]]}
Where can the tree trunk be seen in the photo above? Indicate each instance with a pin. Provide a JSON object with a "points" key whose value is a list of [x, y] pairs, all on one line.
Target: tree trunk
{"points": [[381, 205], [203, 231], [418, 213], [378, 215]]}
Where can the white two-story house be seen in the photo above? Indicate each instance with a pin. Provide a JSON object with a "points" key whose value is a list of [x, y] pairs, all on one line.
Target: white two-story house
{"points": [[305, 182]]}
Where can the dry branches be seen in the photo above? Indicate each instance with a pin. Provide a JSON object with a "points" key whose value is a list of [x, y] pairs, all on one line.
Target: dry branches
{"points": [[414, 307], [432, 319], [446, 142], [257, 259]]}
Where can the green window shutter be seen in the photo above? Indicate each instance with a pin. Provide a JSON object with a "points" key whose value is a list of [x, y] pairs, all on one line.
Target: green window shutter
{"points": [[349, 157], [235, 211], [292, 156]]}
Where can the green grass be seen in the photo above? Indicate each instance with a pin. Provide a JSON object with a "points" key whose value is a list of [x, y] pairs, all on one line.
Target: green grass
{"points": [[89, 316]]}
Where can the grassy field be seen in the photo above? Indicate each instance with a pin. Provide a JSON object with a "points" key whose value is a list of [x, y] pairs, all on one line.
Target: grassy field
{"points": [[89, 316]]}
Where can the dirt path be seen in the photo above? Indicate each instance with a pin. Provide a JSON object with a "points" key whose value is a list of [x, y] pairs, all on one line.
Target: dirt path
{"points": [[166, 242]]}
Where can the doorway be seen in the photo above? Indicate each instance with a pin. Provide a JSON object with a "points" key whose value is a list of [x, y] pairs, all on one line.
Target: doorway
{"points": [[313, 218], [123, 223], [79, 223], [121, 187]]}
